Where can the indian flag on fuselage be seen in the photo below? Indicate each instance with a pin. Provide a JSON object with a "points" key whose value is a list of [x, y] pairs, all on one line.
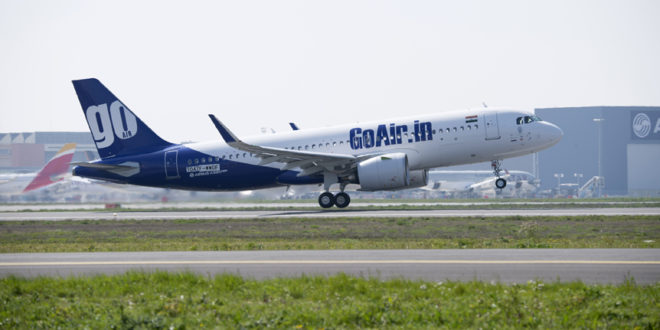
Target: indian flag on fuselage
{"points": [[470, 119]]}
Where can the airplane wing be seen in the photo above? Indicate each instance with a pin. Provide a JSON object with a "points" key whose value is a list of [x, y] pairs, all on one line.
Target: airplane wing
{"points": [[310, 162]]}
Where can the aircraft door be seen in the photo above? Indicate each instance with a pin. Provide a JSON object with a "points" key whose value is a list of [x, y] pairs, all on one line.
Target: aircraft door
{"points": [[492, 126], [171, 169]]}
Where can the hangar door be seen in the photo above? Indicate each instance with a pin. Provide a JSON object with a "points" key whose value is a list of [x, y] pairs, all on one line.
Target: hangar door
{"points": [[643, 169]]}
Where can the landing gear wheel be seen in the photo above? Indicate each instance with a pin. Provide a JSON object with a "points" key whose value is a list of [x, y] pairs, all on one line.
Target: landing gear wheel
{"points": [[326, 200], [500, 183], [342, 200]]}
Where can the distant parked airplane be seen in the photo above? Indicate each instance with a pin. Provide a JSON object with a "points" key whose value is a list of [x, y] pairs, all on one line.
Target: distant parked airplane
{"points": [[54, 171]]}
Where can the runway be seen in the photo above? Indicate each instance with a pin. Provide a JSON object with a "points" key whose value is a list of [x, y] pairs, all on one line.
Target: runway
{"points": [[502, 265], [318, 213]]}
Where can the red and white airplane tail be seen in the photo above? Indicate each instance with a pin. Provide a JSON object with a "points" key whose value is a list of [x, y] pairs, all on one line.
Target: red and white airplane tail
{"points": [[54, 170]]}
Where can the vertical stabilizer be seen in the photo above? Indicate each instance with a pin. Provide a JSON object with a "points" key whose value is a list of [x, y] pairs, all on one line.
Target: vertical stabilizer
{"points": [[116, 130], [55, 169]]}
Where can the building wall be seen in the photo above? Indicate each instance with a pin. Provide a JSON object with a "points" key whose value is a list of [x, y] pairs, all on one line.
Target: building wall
{"points": [[578, 151]]}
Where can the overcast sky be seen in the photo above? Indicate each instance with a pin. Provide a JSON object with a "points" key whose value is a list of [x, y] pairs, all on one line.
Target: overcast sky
{"points": [[319, 63]]}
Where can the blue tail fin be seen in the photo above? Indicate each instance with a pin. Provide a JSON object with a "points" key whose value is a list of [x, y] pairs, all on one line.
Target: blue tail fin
{"points": [[116, 130]]}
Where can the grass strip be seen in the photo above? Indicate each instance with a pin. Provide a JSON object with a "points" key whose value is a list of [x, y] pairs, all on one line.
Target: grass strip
{"points": [[184, 300], [330, 233]]}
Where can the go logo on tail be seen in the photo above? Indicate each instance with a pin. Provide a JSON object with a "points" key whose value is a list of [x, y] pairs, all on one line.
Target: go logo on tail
{"points": [[105, 125]]}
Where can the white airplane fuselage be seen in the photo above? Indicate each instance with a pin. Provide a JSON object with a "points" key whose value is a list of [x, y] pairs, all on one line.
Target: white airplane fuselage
{"points": [[458, 143]]}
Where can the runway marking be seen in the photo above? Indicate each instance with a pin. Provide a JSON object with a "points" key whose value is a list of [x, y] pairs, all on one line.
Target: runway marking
{"points": [[325, 262]]}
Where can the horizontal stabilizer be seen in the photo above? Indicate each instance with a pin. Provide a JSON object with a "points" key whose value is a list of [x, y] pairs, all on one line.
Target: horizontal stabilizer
{"points": [[123, 169]]}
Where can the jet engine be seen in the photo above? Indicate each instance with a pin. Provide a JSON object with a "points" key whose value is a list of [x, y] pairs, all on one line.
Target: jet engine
{"points": [[418, 178], [389, 172]]}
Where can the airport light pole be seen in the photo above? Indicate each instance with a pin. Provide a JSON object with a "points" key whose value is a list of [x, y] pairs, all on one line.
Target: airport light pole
{"points": [[559, 176], [599, 122], [577, 177]]}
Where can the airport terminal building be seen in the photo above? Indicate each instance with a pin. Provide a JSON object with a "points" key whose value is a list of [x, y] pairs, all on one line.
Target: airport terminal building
{"points": [[29, 151]]}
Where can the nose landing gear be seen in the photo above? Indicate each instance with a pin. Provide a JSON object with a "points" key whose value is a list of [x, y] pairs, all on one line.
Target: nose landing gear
{"points": [[497, 168]]}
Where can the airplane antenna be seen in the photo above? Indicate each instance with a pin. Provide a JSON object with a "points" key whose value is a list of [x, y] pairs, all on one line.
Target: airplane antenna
{"points": [[484, 104]]}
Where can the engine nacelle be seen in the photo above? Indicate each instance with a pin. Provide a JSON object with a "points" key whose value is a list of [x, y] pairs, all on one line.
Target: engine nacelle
{"points": [[384, 172], [418, 178]]}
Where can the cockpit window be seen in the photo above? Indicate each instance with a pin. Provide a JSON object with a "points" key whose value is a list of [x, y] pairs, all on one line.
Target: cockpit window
{"points": [[527, 120]]}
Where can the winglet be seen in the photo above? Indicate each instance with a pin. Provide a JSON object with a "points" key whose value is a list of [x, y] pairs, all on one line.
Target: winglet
{"points": [[294, 126], [227, 135]]}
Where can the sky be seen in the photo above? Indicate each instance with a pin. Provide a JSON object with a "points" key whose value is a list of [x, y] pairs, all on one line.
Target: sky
{"points": [[261, 64]]}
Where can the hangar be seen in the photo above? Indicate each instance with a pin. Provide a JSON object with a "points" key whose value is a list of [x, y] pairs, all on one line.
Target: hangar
{"points": [[620, 144]]}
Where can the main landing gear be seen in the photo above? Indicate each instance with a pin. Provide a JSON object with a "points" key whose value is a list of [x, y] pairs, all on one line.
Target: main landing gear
{"points": [[499, 183], [327, 200]]}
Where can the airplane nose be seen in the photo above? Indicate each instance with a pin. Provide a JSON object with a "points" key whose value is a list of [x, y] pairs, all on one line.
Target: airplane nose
{"points": [[554, 133], [558, 133]]}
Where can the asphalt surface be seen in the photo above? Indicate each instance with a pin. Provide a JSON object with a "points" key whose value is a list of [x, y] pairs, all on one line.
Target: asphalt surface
{"points": [[612, 266], [318, 213], [305, 205]]}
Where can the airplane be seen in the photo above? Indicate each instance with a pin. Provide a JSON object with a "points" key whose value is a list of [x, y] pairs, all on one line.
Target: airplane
{"points": [[56, 170], [387, 154], [481, 183]]}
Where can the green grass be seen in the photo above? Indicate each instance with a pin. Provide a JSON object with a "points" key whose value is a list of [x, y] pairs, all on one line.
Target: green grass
{"points": [[331, 233], [168, 300]]}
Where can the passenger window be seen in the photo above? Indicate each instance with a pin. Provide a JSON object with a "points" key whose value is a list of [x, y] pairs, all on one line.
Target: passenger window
{"points": [[462, 128], [196, 161], [334, 143], [455, 129], [203, 160], [231, 156], [469, 127], [313, 146], [476, 126], [244, 155], [189, 161], [223, 156]]}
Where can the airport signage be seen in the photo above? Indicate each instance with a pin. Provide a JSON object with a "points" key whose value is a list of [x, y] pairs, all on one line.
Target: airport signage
{"points": [[645, 125]]}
